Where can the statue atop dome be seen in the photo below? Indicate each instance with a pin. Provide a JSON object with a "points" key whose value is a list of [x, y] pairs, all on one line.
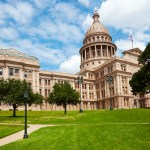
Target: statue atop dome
{"points": [[95, 16]]}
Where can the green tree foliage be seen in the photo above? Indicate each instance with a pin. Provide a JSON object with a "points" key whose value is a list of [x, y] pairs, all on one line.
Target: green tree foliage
{"points": [[12, 93], [140, 81], [62, 95], [37, 99]]}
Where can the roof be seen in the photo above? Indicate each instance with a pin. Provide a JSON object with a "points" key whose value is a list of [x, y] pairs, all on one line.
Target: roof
{"points": [[96, 27], [133, 50], [16, 53]]}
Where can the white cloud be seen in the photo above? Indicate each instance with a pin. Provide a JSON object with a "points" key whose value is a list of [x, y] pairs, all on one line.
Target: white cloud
{"points": [[131, 16], [21, 12], [132, 13], [66, 12], [85, 2], [43, 4], [71, 65], [8, 33], [60, 31], [127, 44], [87, 22]]}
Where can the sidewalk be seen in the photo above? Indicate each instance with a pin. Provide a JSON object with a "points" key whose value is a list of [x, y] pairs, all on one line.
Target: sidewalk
{"points": [[19, 135]]}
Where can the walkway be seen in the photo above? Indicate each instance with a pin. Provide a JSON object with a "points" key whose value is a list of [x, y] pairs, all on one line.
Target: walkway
{"points": [[19, 135]]}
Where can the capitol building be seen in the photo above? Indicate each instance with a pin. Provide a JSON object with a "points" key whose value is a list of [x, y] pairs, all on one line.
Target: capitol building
{"points": [[105, 75]]}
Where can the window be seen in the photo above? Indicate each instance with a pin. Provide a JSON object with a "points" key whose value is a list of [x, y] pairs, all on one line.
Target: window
{"points": [[83, 86], [45, 92], [123, 67], [40, 91], [11, 71], [91, 95], [90, 86], [45, 82], [1, 71], [16, 70], [48, 92], [49, 82], [25, 75], [40, 81], [77, 85]]}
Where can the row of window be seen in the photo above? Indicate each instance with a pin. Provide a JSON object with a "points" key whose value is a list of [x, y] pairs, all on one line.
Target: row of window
{"points": [[46, 82], [97, 38], [84, 86], [15, 72], [46, 92]]}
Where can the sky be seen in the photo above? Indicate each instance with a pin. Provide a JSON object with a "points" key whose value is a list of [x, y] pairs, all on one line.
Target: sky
{"points": [[53, 30]]}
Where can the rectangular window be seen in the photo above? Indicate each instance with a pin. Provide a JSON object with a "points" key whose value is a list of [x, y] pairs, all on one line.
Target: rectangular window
{"points": [[45, 82], [11, 71], [1, 71], [25, 76], [40, 81], [45, 92], [49, 82], [48, 92], [16, 70]]}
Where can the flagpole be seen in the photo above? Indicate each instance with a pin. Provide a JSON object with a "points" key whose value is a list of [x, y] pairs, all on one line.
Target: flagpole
{"points": [[131, 38]]}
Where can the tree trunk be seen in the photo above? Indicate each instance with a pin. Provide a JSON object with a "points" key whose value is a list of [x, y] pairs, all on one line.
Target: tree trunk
{"points": [[14, 110], [65, 107]]}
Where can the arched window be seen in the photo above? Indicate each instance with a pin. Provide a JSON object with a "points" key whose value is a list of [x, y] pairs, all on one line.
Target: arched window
{"points": [[93, 39]]}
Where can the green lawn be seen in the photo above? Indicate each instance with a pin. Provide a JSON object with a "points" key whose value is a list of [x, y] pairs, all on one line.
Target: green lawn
{"points": [[74, 117], [90, 130], [6, 130]]}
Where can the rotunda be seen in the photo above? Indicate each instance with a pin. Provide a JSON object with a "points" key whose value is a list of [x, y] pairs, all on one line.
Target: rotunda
{"points": [[97, 45]]}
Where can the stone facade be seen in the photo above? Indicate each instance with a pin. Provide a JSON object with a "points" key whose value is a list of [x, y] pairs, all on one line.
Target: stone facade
{"points": [[105, 76]]}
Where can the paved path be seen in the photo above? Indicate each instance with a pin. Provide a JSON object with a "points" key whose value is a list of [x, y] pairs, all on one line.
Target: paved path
{"points": [[19, 135]]}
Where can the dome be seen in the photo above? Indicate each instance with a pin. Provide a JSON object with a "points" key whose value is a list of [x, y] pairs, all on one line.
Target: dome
{"points": [[96, 27]]}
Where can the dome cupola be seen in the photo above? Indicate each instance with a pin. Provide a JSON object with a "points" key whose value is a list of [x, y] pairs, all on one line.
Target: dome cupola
{"points": [[97, 45]]}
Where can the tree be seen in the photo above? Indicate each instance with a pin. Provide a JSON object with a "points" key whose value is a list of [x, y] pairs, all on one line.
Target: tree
{"points": [[62, 95], [37, 99], [140, 81], [12, 92]]}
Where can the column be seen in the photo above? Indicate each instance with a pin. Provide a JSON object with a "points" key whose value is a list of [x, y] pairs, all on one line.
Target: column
{"points": [[43, 89], [90, 53], [85, 53], [101, 50], [107, 50], [111, 51], [117, 85], [6, 72], [33, 81], [87, 87], [37, 82], [120, 81], [81, 57], [95, 51], [21, 74]]}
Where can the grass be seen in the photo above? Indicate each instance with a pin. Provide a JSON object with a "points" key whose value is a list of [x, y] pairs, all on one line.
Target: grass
{"points": [[6, 130], [96, 130], [74, 117], [105, 137]]}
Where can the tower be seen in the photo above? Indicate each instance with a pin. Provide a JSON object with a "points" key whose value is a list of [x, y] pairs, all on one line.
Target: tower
{"points": [[97, 45]]}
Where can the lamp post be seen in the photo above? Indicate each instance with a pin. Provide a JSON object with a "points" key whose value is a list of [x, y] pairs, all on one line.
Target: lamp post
{"points": [[109, 80], [80, 81], [148, 60], [25, 119]]}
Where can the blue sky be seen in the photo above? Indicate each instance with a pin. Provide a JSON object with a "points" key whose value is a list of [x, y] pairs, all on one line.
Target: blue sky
{"points": [[53, 30]]}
